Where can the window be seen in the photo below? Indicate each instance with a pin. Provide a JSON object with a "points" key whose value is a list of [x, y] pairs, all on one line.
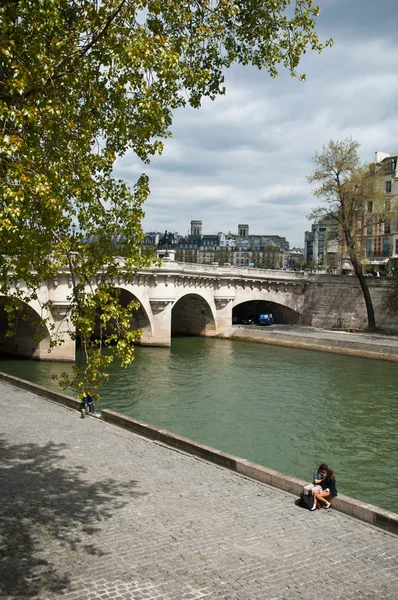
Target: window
{"points": [[386, 247], [388, 205], [396, 246], [387, 227], [388, 186], [370, 206], [368, 248]]}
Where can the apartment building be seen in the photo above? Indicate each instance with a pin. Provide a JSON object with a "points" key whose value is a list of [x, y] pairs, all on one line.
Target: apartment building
{"points": [[380, 226], [241, 249]]}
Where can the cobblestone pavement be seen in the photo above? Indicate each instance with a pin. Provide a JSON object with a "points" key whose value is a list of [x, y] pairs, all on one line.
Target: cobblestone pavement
{"points": [[89, 511]]}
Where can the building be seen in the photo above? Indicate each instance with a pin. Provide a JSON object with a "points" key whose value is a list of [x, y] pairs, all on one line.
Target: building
{"points": [[152, 238], [196, 227], [243, 231], [188, 248], [208, 249], [296, 258], [377, 228], [321, 244], [241, 249], [380, 223]]}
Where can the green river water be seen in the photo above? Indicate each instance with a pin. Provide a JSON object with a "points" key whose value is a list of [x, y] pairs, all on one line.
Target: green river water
{"points": [[284, 408]]}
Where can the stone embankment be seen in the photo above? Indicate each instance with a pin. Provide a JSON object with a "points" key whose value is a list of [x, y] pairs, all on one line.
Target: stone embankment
{"points": [[366, 345], [90, 510]]}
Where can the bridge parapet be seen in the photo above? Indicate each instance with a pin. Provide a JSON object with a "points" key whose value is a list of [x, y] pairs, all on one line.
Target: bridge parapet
{"points": [[216, 271]]}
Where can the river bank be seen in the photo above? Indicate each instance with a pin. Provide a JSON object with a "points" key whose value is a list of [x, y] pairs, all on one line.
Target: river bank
{"points": [[92, 510], [262, 403], [361, 344]]}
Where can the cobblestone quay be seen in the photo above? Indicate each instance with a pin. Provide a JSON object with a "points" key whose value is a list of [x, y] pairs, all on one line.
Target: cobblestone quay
{"points": [[90, 511]]}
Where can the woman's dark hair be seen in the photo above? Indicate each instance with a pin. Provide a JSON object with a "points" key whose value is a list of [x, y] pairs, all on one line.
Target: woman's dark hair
{"points": [[329, 473], [328, 470]]}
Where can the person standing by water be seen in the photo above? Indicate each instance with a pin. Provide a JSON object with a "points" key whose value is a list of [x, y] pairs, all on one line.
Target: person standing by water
{"points": [[327, 481]]}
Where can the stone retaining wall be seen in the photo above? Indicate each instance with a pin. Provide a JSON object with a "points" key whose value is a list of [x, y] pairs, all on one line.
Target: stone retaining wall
{"points": [[337, 301]]}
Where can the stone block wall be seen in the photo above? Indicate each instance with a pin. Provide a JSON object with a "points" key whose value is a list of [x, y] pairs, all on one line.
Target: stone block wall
{"points": [[337, 302]]}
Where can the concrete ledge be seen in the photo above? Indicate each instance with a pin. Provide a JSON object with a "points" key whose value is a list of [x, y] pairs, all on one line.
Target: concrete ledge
{"points": [[333, 346], [63, 399], [363, 511]]}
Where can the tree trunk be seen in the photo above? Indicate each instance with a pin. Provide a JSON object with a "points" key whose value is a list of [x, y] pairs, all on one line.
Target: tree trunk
{"points": [[366, 294]]}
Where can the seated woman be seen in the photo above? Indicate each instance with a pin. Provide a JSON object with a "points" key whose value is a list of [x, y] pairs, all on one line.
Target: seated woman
{"points": [[327, 481]]}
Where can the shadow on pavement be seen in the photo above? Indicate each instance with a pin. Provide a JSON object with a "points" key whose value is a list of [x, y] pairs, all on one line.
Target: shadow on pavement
{"points": [[45, 508]]}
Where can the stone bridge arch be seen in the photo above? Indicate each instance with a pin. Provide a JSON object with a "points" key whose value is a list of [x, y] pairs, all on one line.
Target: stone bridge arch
{"points": [[253, 308], [285, 301], [140, 319], [31, 337], [192, 314]]}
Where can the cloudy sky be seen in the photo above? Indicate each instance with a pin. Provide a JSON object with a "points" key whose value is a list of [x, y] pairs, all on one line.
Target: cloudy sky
{"points": [[244, 158]]}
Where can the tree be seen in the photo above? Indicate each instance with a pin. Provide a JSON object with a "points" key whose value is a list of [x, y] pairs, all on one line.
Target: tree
{"points": [[81, 83], [179, 256], [271, 257], [347, 187], [223, 255]]}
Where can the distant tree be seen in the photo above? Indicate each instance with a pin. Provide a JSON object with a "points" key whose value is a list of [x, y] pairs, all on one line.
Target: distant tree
{"points": [[271, 257], [222, 255], [191, 256], [346, 186], [83, 82], [331, 261]]}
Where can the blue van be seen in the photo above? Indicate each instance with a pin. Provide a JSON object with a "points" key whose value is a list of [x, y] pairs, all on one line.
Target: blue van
{"points": [[266, 319]]}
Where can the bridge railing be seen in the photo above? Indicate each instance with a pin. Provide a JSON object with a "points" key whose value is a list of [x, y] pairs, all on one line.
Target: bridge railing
{"points": [[232, 271]]}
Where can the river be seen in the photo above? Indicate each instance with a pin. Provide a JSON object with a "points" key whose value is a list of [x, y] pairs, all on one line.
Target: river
{"points": [[284, 408]]}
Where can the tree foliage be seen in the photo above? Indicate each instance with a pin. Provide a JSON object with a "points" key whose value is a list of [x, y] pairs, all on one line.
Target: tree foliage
{"points": [[268, 258], [81, 83], [223, 255], [391, 295], [347, 187]]}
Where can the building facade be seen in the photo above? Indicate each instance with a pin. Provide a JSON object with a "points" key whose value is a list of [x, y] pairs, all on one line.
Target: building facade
{"points": [[321, 245], [380, 226], [241, 249]]}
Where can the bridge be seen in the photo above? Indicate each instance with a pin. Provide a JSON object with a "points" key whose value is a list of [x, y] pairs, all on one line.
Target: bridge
{"points": [[175, 298], [191, 299]]}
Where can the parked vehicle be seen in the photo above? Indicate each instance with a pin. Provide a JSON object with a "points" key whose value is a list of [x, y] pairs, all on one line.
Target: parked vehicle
{"points": [[252, 320], [266, 319]]}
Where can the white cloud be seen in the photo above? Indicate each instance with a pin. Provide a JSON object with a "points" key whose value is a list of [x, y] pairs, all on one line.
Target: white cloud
{"points": [[244, 158]]}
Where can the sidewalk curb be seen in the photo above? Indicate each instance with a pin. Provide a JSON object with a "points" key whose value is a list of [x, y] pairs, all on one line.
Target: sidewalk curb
{"points": [[363, 511]]}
